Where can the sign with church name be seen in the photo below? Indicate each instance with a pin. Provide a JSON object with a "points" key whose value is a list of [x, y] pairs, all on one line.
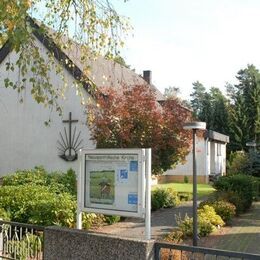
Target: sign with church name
{"points": [[112, 181], [69, 142]]}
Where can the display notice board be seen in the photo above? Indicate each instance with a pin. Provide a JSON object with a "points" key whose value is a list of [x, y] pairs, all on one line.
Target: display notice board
{"points": [[112, 182]]}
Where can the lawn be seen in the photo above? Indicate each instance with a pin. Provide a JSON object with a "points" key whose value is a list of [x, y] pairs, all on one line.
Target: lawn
{"points": [[203, 189]]}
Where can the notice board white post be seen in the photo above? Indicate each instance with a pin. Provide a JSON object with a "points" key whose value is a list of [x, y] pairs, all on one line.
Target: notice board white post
{"points": [[115, 182], [79, 191], [148, 163]]}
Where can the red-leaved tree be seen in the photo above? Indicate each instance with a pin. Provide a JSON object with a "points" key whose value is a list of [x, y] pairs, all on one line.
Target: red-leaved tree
{"points": [[132, 118]]}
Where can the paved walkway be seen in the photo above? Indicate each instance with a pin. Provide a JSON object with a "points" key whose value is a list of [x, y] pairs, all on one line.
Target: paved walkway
{"points": [[243, 236], [162, 222]]}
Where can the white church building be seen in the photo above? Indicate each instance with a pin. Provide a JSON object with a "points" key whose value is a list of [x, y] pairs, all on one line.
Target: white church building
{"points": [[26, 142]]}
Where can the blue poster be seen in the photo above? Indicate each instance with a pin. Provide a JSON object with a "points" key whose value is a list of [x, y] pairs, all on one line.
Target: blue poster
{"points": [[132, 198], [123, 174], [133, 166]]}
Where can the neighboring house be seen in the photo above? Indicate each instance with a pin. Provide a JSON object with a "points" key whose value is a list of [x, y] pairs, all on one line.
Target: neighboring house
{"points": [[24, 139], [210, 158]]}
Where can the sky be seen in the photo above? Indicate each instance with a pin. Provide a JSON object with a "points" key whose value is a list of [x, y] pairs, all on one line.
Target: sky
{"points": [[182, 41]]}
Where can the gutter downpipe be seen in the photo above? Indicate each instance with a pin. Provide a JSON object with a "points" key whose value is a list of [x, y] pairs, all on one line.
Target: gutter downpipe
{"points": [[207, 159]]}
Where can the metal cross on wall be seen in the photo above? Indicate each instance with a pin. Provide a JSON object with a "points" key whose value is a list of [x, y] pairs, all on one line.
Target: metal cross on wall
{"points": [[69, 144]]}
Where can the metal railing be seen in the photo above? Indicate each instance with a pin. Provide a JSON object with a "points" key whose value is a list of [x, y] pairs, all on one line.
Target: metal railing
{"points": [[171, 251], [21, 241], [25, 242]]}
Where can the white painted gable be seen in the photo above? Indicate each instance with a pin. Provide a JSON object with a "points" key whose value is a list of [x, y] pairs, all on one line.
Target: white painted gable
{"points": [[25, 141]]}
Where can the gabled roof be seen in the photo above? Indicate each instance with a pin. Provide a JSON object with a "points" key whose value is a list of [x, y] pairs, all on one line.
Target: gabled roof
{"points": [[103, 72]]}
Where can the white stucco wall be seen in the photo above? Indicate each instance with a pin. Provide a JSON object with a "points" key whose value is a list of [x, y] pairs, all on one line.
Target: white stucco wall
{"points": [[187, 167], [24, 139], [218, 158], [211, 159]]}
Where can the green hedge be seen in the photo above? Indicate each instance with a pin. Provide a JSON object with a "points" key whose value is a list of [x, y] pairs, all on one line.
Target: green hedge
{"points": [[4, 215], [57, 181], [38, 197], [237, 189], [38, 205]]}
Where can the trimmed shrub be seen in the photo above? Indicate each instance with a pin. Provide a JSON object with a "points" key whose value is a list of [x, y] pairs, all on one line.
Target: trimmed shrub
{"points": [[234, 198], [224, 209], [36, 176], [185, 196], [176, 236], [38, 205], [208, 220], [4, 215], [205, 228], [186, 227], [208, 214], [38, 197], [90, 219], [63, 182], [164, 198], [238, 189], [59, 182], [111, 219]]}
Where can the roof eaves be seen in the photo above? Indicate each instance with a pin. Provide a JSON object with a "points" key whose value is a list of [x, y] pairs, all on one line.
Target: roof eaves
{"points": [[215, 136], [48, 43], [5, 50]]}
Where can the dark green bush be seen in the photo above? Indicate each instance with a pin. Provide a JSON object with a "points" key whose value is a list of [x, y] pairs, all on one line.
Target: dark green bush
{"points": [[256, 188], [239, 189], [164, 198], [238, 163], [224, 209], [234, 198], [254, 160]]}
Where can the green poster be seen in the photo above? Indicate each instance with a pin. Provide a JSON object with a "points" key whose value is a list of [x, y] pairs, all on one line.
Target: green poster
{"points": [[102, 187]]}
